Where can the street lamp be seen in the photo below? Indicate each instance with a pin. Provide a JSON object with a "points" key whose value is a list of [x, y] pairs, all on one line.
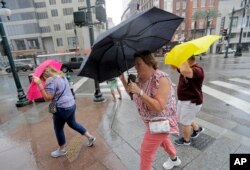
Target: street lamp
{"points": [[22, 100], [239, 45]]}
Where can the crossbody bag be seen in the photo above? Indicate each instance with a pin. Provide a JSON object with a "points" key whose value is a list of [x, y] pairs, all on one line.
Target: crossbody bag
{"points": [[157, 124], [52, 105]]}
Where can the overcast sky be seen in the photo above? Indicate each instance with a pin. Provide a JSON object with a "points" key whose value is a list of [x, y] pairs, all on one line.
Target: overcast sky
{"points": [[115, 9]]}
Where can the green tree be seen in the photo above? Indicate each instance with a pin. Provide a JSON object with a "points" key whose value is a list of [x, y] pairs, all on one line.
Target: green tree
{"points": [[209, 15], [198, 14]]}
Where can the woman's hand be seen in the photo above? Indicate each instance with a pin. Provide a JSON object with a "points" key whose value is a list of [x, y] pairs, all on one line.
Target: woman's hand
{"points": [[37, 80], [133, 88]]}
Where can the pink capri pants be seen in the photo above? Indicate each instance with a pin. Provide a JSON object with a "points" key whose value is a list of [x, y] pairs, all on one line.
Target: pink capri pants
{"points": [[149, 146]]}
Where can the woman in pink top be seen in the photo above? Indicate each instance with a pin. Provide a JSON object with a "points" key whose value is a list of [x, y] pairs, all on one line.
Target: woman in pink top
{"points": [[154, 96]]}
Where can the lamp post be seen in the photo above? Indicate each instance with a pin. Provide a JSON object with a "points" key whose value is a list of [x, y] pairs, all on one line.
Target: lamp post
{"points": [[229, 34], [98, 94], [22, 100], [239, 45]]}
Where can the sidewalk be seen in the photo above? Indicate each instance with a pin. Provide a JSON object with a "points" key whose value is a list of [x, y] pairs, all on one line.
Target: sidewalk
{"points": [[27, 138]]}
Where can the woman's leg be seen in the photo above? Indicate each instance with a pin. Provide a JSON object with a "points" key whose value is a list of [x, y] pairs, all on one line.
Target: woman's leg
{"points": [[119, 91], [168, 146], [149, 146], [58, 128], [113, 94], [71, 121]]}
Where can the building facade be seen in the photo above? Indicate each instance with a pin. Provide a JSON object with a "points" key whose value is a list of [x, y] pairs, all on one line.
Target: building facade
{"points": [[46, 26], [238, 22]]}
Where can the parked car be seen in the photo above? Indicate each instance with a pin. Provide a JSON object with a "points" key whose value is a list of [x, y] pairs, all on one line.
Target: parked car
{"points": [[20, 66], [230, 50], [74, 63]]}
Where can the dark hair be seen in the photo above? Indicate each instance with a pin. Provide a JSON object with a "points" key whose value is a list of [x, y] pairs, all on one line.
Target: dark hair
{"points": [[192, 58], [147, 57]]}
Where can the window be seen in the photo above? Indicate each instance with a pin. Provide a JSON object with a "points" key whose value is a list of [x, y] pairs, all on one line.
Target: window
{"points": [[66, 1], [52, 2], [195, 3], [69, 26], [203, 3], [45, 29], [59, 42], [67, 11], [40, 4], [54, 13], [33, 43], [177, 5], [20, 44], [211, 2], [235, 22], [184, 4], [57, 27], [21, 29], [72, 41], [21, 16], [42, 15]]}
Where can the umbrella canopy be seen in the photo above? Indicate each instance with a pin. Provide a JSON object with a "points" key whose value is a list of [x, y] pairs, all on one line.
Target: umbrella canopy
{"points": [[33, 90], [180, 53], [112, 52]]}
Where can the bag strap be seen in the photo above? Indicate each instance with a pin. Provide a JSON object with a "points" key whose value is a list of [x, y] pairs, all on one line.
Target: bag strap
{"points": [[61, 93]]}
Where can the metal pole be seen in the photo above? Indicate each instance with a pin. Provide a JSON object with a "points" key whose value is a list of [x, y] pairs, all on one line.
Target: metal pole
{"points": [[22, 100], [229, 34], [239, 45], [98, 95]]}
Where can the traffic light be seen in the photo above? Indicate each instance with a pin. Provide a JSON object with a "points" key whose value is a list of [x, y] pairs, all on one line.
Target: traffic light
{"points": [[100, 11], [79, 18], [224, 32]]}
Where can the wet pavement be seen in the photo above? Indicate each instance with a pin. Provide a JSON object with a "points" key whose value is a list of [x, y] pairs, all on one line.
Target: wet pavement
{"points": [[27, 138]]}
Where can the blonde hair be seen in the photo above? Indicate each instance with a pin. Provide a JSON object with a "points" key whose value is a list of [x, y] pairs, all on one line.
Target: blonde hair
{"points": [[51, 72]]}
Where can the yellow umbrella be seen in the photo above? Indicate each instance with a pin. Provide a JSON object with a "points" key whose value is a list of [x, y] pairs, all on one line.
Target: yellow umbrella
{"points": [[204, 43], [180, 53]]}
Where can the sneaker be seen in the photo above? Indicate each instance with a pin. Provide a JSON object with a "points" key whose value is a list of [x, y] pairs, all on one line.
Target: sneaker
{"points": [[169, 164], [182, 141], [91, 141], [195, 134], [58, 153]]}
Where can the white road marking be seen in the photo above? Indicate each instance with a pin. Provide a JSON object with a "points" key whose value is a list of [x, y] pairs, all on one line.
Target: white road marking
{"points": [[78, 84], [240, 80], [232, 86], [224, 132], [238, 103]]}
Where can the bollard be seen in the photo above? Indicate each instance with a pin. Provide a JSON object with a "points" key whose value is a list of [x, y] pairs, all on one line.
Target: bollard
{"points": [[69, 78]]}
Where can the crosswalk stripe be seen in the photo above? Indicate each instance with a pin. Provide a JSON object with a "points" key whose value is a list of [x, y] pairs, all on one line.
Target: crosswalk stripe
{"points": [[240, 80], [238, 103], [105, 90], [232, 86], [78, 84]]}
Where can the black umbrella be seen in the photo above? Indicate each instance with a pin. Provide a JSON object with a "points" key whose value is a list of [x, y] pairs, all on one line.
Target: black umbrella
{"points": [[112, 52]]}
